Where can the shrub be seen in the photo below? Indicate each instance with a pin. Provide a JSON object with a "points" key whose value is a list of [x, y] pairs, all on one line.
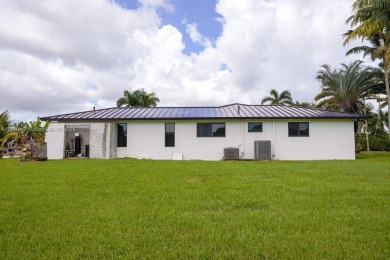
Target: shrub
{"points": [[377, 143]]}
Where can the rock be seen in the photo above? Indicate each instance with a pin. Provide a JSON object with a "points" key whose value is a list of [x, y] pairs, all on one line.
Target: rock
{"points": [[25, 156], [30, 143], [39, 152]]}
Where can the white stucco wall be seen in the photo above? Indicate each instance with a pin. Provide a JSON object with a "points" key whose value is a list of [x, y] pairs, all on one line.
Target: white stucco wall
{"points": [[146, 139], [55, 139], [103, 141], [328, 140]]}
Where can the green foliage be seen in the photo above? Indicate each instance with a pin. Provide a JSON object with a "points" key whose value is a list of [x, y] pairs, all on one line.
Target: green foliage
{"points": [[371, 21], [304, 104], [37, 130], [370, 18], [5, 123], [381, 143], [17, 135], [344, 89], [136, 209], [275, 99], [138, 98]]}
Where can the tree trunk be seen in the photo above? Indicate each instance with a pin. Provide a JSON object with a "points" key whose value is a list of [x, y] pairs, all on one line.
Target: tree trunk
{"points": [[386, 65], [379, 115], [367, 140], [359, 139], [388, 97]]}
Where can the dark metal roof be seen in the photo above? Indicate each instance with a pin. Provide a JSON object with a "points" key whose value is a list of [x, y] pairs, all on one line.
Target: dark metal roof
{"points": [[233, 111]]}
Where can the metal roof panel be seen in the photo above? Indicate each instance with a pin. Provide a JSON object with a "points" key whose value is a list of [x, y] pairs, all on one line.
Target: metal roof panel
{"points": [[225, 112]]}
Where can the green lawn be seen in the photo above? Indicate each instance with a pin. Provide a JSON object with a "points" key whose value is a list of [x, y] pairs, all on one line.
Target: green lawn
{"points": [[128, 208]]}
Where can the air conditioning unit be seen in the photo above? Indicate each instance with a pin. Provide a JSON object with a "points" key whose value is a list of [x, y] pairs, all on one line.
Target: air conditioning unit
{"points": [[231, 153], [263, 150]]}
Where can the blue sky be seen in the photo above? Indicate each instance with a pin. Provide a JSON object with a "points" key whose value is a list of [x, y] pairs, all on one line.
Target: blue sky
{"points": [[201, 12], [65, 56]]}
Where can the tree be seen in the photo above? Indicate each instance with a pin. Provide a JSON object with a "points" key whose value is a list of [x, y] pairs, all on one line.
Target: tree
{"points": [[275, 99], [36, 130], [304, 104], [138, 98], [372, 18], [5, 123], [343, 89]]}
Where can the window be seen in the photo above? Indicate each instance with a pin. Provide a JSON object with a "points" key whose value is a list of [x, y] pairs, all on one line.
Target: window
{"points": [[169, 135], [255, 127], [298, 129], [122, 135], [210, 130]]}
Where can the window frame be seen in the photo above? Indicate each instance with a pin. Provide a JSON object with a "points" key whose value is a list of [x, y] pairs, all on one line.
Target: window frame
{"points": [[299, 132], [211, 134], [121, 142], [261, 127], [165, 136]]}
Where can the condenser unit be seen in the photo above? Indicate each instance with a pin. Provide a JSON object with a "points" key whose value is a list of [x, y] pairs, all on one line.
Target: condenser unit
{"points": [[231, 153], [263, 150]]}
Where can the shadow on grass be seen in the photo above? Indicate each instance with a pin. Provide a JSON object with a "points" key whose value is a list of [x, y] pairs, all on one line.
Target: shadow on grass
{"points": [[372, 155]]}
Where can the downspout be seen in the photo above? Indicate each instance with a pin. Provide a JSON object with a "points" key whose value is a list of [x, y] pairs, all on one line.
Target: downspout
{"points": [[274, 143], [242, 139]]}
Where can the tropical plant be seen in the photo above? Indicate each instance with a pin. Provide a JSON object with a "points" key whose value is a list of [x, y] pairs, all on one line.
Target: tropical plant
{"points": [[304, 104], [372, 21], [138, 98], [370, 17], [5, 123], [376, 124], [37, 131], [343, 89], [275, 99], [16, 134]]}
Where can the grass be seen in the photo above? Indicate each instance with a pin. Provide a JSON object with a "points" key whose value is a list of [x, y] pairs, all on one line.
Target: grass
{"points": [[127, 208]]}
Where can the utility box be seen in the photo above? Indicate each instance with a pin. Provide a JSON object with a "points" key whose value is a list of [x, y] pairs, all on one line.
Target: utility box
{"points": [[263, 150], [231, 153]]}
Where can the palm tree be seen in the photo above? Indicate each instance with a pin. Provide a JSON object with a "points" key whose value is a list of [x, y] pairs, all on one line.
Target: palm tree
{"points": [[372, 18], [138, 98], [343, 89], [275, 99]]}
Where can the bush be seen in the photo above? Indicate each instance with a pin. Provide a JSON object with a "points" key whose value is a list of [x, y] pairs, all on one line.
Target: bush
{"points": [[376, 143]]}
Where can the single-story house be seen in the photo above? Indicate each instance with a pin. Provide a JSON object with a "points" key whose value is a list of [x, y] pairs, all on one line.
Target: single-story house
{"points": [[235, 131]]}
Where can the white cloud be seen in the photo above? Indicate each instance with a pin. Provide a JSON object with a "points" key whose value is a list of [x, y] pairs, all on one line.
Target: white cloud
{"points": [[64, 56], [195, 35]]}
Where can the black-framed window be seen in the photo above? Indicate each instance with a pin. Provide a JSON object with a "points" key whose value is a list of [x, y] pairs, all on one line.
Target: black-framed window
{"points": [[122, 135], [211, 130], [298, 129], [254, 127], [169, 135]]}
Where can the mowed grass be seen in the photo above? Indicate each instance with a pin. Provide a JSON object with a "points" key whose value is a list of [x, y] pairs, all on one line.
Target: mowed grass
{"points": [[126, 208]]}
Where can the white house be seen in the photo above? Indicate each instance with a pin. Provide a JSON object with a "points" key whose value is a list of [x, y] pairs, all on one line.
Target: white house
{"points": [[235, 131]]}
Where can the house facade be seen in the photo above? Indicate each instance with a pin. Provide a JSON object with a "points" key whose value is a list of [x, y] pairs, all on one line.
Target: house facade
{"points": [[204, 133]]}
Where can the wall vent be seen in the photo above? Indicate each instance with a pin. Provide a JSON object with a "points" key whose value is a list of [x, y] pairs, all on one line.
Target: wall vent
{"points": [[231, 153], [263, 150]]}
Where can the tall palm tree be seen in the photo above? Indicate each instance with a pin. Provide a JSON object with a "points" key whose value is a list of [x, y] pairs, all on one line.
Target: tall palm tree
{"points": [[375, 51], [343, 89], [372, 18], [138, 98], [275, 99]]}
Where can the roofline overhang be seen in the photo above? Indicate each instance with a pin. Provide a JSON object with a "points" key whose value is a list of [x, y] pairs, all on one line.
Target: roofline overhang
{"points": [[202, 118]]}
